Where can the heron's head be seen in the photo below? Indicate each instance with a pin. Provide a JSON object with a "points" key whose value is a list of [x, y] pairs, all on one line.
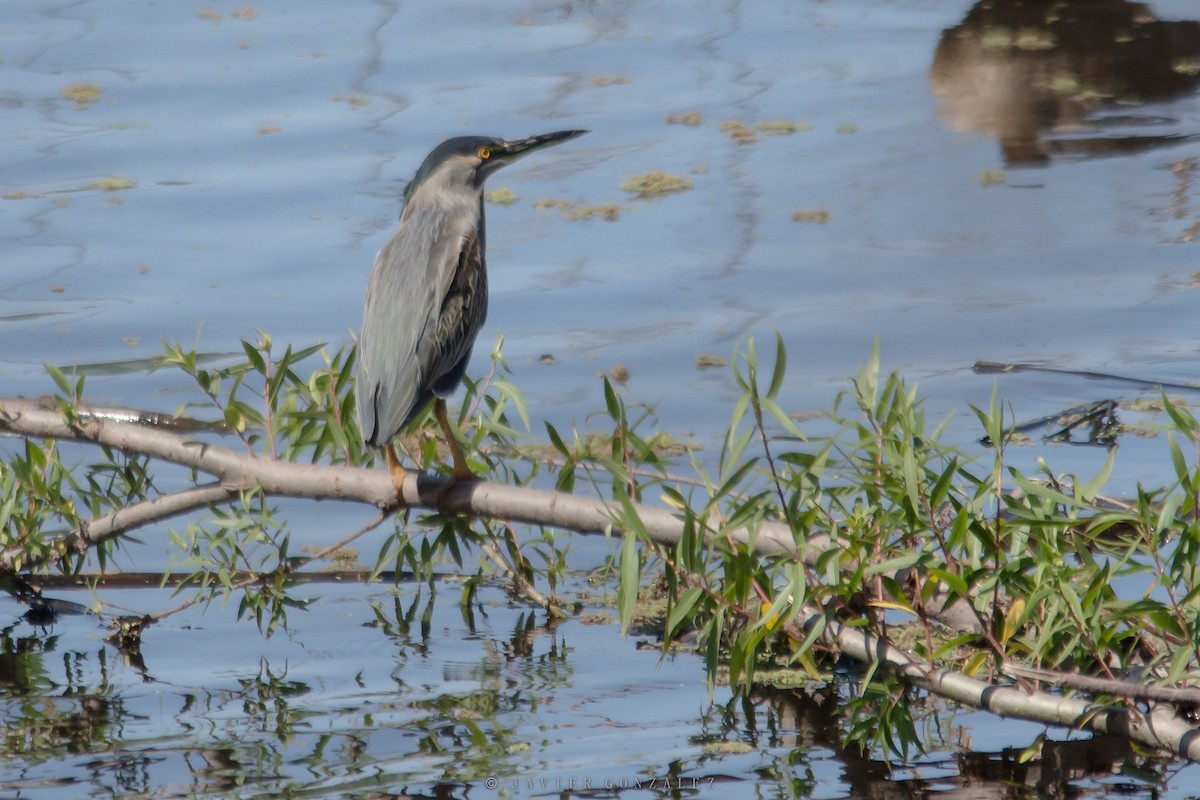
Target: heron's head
{"points": [[465, 162]]}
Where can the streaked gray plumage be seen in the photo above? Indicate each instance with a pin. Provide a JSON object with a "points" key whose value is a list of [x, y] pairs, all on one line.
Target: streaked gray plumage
{"points": [[427, 294]]}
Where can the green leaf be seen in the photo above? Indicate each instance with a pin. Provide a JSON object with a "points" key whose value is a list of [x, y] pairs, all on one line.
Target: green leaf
{"points": [[71, 391], [254, 357], [1177, 458], [627, 591], [941, 486], [786, 422], [682, 609], [1093, 487], [1033, 751], [557, 442], [610, 401], [780, 367], [954, 583], [1181, 417]]}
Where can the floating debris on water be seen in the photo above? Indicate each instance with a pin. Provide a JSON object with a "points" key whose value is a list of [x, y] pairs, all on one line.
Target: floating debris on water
{"points": [[818, 215], [739, 132], [82, 94], [992, 177], [610, 212], [501, 197], [111, 185], [656, 184], [692, 119], [782, 127], [618, 374], [606, 211]]}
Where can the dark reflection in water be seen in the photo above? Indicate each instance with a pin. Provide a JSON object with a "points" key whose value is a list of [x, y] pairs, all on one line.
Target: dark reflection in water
{"points": [[446, 717], [1062, 77], [806, 722], [269, 731], [51, 711]]}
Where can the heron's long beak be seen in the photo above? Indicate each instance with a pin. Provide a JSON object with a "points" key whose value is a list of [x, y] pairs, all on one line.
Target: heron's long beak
{"points": [[515, 148]]}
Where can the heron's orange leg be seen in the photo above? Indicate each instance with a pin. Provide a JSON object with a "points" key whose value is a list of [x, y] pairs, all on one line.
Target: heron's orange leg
{"points": [[399, 473], [461, 471]]}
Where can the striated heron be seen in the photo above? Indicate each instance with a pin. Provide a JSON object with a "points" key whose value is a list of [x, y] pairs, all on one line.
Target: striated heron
{"points": [[427, 294]]}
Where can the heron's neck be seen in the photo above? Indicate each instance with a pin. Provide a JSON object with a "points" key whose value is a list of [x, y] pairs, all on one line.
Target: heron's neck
{"points": [[447, 192]]}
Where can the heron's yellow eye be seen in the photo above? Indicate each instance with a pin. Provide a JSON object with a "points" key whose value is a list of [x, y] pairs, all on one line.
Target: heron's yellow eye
{"points": [[485, 153]]}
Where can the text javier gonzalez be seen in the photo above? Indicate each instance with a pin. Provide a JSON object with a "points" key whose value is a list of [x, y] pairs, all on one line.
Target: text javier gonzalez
{"points": [[561, 784]]}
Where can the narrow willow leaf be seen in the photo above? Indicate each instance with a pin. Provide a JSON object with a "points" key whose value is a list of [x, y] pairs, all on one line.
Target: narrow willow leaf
{"points": [[975, 663], [1182, 418], [1093, 487], [954, 583], [780, 416], [672, 498], [892, 565], [893, 606], [254, 357], [729, 485], [1033, 751], [941, 487], [514, 396], [806, 660], [611, 402], [1012, 620], [1041, 490], [780, 367], [1177, 458], [557, 442], [627, 591], [949, 646], [682, 609], [713, 636], [60, 380]]}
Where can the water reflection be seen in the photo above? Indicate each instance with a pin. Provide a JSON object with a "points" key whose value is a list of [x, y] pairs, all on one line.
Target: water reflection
{"points": [[52, 707], [1040, 75], [434, 704], [442, 708], [804, 723]]}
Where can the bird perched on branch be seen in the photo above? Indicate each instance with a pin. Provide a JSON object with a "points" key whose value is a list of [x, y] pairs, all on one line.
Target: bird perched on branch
{"points": [[427, 295]]}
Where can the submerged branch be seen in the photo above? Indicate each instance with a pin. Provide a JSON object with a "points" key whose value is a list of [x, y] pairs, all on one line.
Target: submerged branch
{"points": [[234, 472], [1162, 727]]}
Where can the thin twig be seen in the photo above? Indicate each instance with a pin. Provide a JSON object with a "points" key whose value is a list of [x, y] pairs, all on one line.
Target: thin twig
{"points": [[1106, 686], [251, 578]]}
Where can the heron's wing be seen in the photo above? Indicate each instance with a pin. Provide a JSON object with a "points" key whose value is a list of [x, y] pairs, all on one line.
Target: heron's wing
{"points": [[444, 347], [411, 278]]}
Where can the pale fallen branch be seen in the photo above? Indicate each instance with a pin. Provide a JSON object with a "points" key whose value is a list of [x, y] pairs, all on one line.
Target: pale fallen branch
{"points": [[233, 472], [236, 471], [1161, 726]]}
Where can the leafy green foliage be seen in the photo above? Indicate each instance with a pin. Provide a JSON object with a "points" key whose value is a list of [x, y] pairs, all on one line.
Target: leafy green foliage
{"points": [[913, 526], [886, 525]]}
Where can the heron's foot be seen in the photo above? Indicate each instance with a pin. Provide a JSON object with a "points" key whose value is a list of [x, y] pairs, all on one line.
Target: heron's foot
{"points": [[462, 473], [399, 473], [451, 483]]}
